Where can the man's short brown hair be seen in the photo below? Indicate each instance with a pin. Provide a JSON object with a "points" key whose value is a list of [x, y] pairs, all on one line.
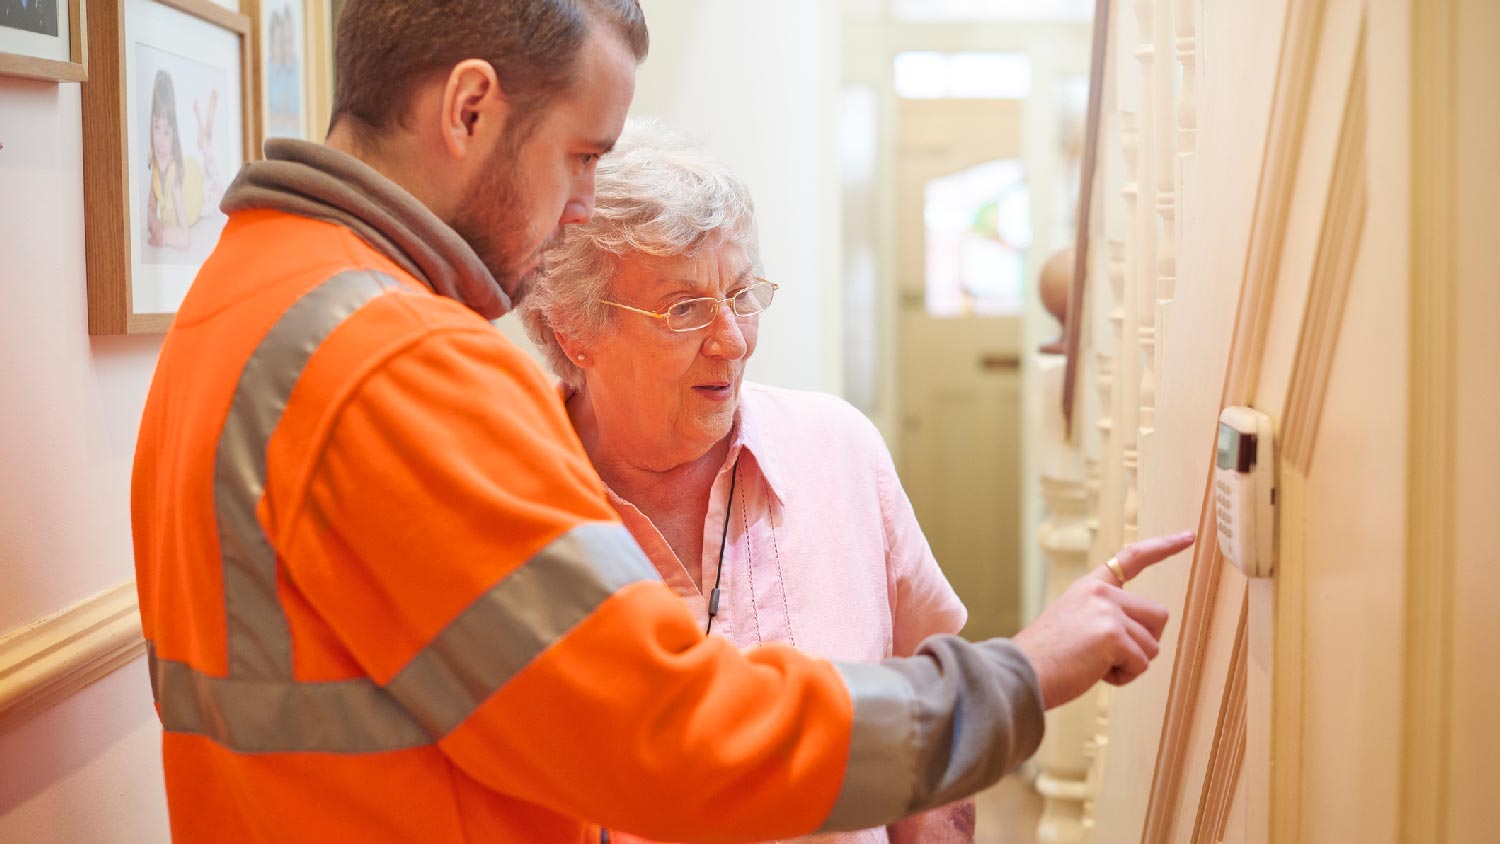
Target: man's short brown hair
{"points": [[386, 49]]}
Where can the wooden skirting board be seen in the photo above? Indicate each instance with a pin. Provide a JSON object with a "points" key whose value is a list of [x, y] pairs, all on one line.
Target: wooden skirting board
{"points": [[49, 660]]}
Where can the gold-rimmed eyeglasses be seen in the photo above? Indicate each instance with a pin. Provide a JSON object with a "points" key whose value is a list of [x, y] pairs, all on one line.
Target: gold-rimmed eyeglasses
{"points": [[693, 314]]}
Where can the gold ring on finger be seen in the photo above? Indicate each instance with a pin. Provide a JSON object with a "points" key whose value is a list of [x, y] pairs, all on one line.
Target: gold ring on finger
{"points": [[1115, 569]]}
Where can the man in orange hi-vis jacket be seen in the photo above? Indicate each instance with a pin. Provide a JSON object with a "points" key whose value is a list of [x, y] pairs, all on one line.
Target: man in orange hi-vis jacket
{"points": [[385, 595]]}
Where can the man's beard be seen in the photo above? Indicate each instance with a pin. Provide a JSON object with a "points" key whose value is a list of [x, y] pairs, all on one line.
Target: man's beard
{"points": [[493, 223]]}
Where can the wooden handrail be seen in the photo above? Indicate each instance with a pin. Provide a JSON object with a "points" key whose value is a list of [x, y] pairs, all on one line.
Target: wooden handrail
{"points": [[1073, 331]]}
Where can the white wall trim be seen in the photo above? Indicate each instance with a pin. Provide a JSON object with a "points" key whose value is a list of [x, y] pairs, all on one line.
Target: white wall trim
{"points": [[48, 660]]}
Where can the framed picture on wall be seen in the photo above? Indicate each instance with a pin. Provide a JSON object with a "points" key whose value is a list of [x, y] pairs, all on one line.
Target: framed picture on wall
{"points": [[43, 39], [284, 67], [321, 15], [168, 119]]}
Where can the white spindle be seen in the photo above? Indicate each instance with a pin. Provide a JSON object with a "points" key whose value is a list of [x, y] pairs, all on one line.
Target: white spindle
{"points": [[1096, 752], [1165, 157], [1187, 56], [1111, 507], [1127, 384], [1066, 539]]}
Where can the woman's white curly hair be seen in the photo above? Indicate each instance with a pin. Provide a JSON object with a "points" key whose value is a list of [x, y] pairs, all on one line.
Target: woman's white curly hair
{"points": [[657, 195]]}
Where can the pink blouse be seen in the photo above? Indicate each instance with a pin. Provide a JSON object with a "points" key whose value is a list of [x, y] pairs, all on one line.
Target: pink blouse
{"points": [[824, 553]]}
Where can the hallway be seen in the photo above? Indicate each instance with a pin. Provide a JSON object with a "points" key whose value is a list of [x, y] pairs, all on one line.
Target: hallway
{"points": [[1286, 207], [1007, 813]]}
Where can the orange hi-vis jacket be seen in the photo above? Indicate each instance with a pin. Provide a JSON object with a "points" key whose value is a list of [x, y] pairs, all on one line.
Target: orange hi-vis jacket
{"points": [[387, 600]]}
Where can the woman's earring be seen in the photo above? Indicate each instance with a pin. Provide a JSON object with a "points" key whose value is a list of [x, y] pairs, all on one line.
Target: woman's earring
{"points": [[580, 357]]}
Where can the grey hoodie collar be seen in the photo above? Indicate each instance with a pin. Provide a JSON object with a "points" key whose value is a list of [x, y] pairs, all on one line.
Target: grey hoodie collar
{"points": [[312, 180]]}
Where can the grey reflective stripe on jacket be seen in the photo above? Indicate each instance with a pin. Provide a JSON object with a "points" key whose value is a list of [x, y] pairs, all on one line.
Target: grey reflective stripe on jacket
{"points": [[471, 659], [934, 728], [260, 644], [259, 706]]}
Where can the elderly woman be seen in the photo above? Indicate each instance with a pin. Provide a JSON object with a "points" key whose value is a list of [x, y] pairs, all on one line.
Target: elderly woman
{"points": [[777, 515]]}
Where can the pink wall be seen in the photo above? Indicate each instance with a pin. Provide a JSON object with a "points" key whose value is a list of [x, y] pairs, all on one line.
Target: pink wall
{"points": [[87, 770]]}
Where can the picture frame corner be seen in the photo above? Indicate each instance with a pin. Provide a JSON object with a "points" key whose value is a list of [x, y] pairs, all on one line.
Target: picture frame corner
{"points": [[114, 198]]}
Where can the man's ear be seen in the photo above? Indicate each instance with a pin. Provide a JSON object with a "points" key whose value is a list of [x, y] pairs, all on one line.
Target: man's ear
{"points": [[474, 110]]}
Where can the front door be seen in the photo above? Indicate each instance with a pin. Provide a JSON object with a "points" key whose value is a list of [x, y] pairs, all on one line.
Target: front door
{"points": [[963, 216]]}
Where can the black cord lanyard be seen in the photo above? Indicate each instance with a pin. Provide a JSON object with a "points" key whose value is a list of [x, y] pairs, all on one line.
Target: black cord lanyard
{"points": [[713, 598]]}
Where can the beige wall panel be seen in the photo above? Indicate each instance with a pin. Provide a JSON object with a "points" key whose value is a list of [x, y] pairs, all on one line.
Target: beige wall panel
{"points": [[1217, 659], [1355, 555], [1343, 781], [1352, 510], [1347, 518], [1325, 117], [1235, 830], [1474, 768], [1309, 202], [1354, 522], [1234, 112], [1338, 85]]}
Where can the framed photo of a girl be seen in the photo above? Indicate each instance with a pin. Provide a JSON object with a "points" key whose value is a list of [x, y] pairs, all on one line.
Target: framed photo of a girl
{"points": [[43, 39], [171, 121]]}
